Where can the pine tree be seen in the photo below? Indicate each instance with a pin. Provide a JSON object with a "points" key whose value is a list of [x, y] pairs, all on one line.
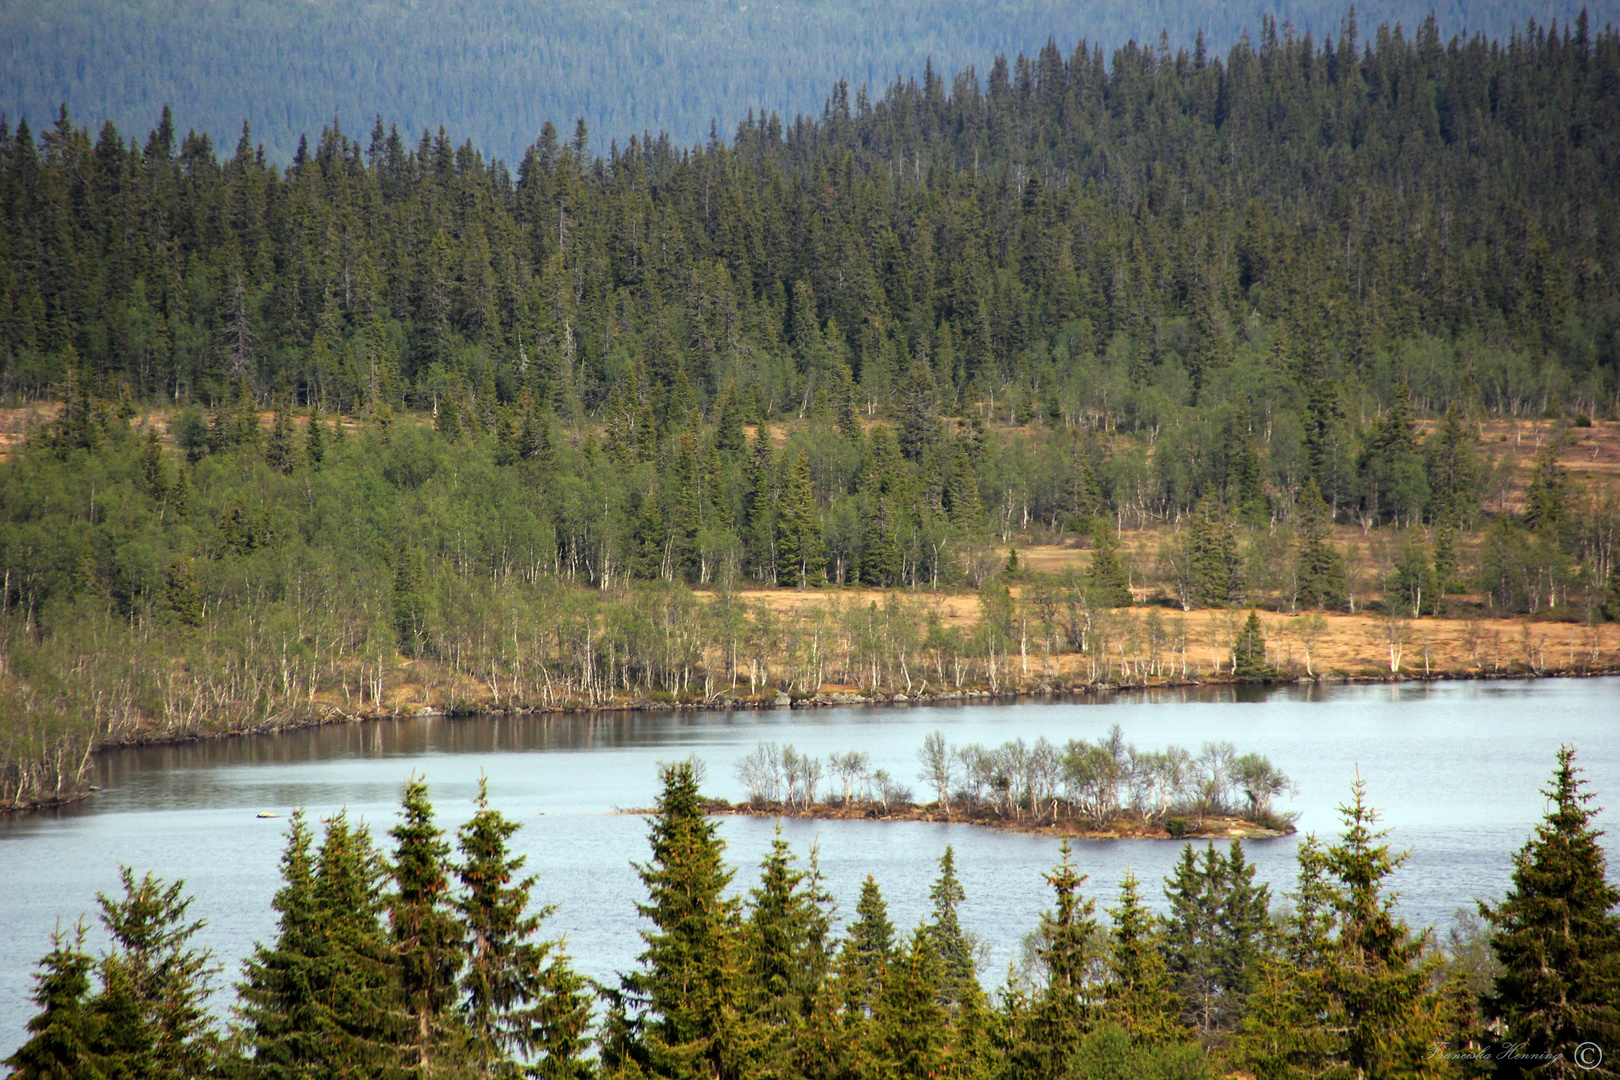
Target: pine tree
{"points": [[1214, 934], [362, 1021], [784, 939], [870, 946], [181, 598], [911, 1024], [1544, 497], [278, 448], [63, 1033], [1064, 1009], [920, 427], [447, 421], [427, 941], [315, 437], [1557, 935], [1138, 992], [688, 983], [520, 997], [410, 599]]}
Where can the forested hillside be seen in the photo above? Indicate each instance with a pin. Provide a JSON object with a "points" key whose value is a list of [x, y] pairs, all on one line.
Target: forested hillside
{"points": [[495, 71], [396, 412]]}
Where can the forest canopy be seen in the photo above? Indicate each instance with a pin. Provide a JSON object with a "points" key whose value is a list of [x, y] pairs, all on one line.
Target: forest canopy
{"points": [[494, 72], [398, 404]]}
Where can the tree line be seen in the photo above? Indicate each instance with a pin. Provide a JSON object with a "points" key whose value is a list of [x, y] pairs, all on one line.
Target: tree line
{"points": [[417, 963], [1095, 782]]}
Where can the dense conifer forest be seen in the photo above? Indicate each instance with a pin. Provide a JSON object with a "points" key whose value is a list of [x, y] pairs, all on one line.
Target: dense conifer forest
{"points": [[427, 960], [285, 441]]}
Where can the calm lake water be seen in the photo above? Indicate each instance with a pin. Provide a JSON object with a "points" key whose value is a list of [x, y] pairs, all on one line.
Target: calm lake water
{"points": [[1455, 770]]}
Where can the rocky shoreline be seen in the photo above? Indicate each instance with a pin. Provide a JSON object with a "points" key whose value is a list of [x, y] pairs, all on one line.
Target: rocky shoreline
{"points": [[1212, 827]]}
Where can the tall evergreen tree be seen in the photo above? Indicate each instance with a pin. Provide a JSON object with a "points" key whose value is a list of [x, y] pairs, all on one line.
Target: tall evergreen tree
{"points": [[953, 947], [1138, 992], [1557, 935], [1320, 573], [1383, 1008], [801, 550], [152, 1010], [688, 986], [280, 995], [1109, 584], [63, 1033], [520, 998], [427, 939]]}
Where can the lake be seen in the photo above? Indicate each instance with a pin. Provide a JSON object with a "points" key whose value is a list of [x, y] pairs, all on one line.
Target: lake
{"points": [[1454, 768]]}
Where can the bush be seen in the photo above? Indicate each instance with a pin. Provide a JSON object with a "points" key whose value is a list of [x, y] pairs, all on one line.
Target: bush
{"points": [[1177, 826]]}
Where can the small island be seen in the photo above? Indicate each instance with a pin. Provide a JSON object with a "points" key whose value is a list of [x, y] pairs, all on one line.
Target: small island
{"points": [[1103, 790], [1124, 827]]}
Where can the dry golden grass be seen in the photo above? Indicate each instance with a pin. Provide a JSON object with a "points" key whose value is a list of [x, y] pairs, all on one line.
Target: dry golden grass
{"points": [[1336, 642]]}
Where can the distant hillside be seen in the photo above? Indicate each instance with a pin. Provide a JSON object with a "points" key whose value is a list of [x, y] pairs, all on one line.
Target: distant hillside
{"points": [[496, 70]]}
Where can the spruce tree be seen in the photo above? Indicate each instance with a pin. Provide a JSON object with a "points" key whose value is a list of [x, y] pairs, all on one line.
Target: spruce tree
{"points": [[1382, 1004], [151, 1012], [363, 1023], [870, 946], [1320, 566], [1108, 582], [1214, 934], [1064, 1009], [784, 940], [953, 947], [315, 437], [1138, 992], [154, 476], [278, 448], [1557, 935], [520, 998], [911, 1025], [62, 1035], [688, 985], [279, 998], [426, 938], [801, 550], [1249, 651]]}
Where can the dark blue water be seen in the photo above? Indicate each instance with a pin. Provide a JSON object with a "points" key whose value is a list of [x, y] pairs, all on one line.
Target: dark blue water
{"points": [[1455, 770]]}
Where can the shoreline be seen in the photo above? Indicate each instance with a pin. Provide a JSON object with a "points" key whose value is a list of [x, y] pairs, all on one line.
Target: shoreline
{"points": [[839, 698], [1206, 827]]}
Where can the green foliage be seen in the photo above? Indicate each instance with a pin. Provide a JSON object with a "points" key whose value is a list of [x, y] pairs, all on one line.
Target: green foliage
{"points": [[1214, 935], [520, 998], [1557, 937], [152, 1011], [1249, 651], [1321, 573], [423, 929], [62, 1034], [687, 991], [1110, 584]]}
